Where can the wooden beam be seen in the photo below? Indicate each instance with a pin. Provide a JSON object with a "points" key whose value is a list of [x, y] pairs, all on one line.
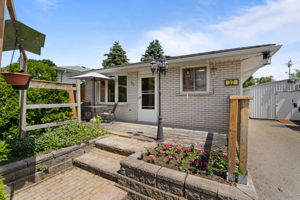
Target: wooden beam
{"points": [[232, 137], [51, 82], [2, 25], [22, 102], [243, 152], [47, 86], [48, 125], [78, 99], [38, 106], [241, 97]]}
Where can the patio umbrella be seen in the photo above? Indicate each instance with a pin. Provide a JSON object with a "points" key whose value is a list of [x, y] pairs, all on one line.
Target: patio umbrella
{"points": [[95, 77]]}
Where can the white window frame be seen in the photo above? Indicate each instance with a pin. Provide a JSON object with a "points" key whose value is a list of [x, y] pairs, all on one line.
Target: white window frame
{"points": [[207, 80], [116, 91]]}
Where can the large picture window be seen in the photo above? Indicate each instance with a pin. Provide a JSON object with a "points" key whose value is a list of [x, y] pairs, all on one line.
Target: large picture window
{"points": [[194, 79], [122, 87]]}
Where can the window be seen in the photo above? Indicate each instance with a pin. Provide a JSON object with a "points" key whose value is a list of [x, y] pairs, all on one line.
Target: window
{"points": [[194, 79], [111, 91], [102, 91], [122, 87]]}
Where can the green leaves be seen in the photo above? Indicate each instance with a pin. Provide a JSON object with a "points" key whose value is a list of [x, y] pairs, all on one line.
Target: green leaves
{"points": [[4, 151], [153, 51], [116, 56]]}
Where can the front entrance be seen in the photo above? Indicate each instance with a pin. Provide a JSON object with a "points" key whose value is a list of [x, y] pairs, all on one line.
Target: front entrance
{"points": [[147, 103]]}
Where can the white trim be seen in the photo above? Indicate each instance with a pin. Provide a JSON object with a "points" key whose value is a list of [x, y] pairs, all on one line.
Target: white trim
{"points": [[207, 80]]}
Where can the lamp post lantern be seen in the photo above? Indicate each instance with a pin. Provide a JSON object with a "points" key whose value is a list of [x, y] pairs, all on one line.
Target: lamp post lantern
{"points": [[160, 67]]}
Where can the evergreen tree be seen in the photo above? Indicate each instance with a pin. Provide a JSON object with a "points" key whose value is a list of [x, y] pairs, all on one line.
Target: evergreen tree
{"points": [[116, 56], [153, 51]]}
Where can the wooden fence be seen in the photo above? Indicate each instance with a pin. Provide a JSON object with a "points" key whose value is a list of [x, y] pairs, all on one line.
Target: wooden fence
{"points": [[238, 133], [23, 128]]}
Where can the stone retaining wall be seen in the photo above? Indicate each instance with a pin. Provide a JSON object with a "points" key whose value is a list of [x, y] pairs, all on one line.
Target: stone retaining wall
{"points": [[25, 172], [163, 183]]}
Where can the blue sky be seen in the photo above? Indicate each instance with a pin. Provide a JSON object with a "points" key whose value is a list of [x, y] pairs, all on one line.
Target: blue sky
{"points": [[80, 32]]}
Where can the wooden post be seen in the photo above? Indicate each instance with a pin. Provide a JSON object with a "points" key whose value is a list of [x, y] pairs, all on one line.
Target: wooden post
{"points": [[232, 138], [72, 100], [22, 101], [243, 152], [2, 25], [78, 101]]}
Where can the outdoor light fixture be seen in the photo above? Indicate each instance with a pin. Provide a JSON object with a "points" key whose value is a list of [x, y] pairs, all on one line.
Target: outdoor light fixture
{"points": [[160, 67], [266, 58]]}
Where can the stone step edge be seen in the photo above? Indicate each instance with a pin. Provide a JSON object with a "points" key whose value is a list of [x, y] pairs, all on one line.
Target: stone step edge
{"points": [[133, 194], [113, 149], [97, 171]]}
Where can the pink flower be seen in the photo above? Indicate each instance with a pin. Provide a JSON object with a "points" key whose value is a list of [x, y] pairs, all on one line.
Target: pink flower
{"points": [[171, 144], [162, 152], [178, 147], [205, 164], [178, 159], [201, 146], [172, 152], [152, 156], [186, 150], [170, 157], [203, 154]]}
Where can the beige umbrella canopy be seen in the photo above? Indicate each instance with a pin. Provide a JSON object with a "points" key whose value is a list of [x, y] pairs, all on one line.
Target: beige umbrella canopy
{"points": [[95, 76]]}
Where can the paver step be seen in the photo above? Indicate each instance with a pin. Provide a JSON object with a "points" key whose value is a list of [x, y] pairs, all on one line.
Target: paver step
{"points": [[102, 163], [121, 145]]}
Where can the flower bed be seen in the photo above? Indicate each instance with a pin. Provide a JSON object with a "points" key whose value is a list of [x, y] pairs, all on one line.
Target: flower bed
{"points": [[190, 159]]}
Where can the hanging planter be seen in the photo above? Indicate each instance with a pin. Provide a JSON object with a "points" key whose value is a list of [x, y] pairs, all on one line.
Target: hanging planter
{"points": [[17, 80]]}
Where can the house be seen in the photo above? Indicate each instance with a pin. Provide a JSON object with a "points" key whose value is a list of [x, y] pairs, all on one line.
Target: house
{"points": [[275, 100], [65, 72], [195, 89]]}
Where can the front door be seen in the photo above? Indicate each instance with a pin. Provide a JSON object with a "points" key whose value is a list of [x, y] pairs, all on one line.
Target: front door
{"points": [[147, 99]]}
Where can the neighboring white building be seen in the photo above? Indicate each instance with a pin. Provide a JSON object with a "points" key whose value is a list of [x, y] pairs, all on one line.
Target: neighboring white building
{"points": [[65, 72], [275, 100], [194, 94]]}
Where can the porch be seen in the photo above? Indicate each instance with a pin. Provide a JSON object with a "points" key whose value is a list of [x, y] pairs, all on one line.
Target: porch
{"points": [[210, 140]]}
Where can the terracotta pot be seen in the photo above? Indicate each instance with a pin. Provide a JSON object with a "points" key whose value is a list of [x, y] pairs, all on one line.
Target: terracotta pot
{"points": [[17, 80]]}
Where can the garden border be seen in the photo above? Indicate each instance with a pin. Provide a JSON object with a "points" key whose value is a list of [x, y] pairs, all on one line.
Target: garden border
{"points": [[25, 172], [156, 181]]}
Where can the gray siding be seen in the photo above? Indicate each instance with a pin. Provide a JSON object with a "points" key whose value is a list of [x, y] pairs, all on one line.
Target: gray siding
{"points": [[263, 105]]}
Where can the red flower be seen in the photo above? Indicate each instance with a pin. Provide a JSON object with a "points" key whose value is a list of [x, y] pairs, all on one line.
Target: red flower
{"points": [[199, 163], [205, 164]]}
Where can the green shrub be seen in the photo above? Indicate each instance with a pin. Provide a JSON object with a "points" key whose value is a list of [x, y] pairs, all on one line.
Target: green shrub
{"points": [[9, 101], [4, 151], [2, 191], [52, 139]]}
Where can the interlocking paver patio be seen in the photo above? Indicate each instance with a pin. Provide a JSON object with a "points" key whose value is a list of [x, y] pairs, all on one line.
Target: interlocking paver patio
{"points": [[210, 140], [72, 184]]}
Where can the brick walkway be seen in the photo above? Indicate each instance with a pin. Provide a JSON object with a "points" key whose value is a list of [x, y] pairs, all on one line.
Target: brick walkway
{"points": [[72, 184]]}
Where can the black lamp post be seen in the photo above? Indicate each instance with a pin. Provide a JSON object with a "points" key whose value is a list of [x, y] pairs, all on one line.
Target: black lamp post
{"points": [[160, 67]]}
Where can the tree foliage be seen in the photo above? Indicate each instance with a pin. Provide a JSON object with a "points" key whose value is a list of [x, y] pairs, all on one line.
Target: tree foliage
{"points": [[153, 51], [9, 101], [296, 74], [116, 56], [255, 81]]}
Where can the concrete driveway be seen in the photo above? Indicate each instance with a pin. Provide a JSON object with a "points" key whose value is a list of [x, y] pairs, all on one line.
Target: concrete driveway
{"points": [[274, 160]]}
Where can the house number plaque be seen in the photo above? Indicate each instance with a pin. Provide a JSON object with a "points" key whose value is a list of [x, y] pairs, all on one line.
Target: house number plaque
{"points": [[229, 82]]}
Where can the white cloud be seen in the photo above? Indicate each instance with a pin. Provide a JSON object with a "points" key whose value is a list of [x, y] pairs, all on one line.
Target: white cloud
{"points": [[46, 4], [273, 22]]}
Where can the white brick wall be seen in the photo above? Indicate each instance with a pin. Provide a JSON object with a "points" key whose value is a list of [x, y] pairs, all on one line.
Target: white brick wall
{"points": [[207, 112]]}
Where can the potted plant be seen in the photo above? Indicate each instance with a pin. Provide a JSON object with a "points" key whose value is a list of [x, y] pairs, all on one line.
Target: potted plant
{"points": [[17, 80]]}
